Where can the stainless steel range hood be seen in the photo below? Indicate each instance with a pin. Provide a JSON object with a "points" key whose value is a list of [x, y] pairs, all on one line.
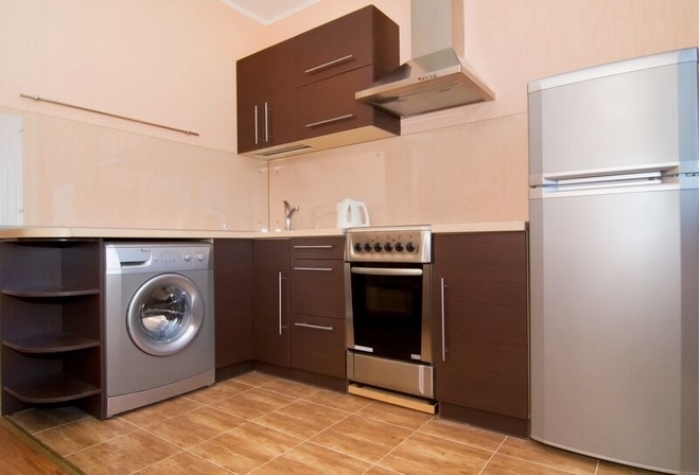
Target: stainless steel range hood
{"points": [[436, 78]]}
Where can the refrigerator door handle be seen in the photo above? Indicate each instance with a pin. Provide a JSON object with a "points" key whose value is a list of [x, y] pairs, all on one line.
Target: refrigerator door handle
{"points": [[661, 169]]}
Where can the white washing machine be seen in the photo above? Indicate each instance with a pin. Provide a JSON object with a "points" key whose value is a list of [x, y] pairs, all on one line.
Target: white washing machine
{"points": [[159, 321]]}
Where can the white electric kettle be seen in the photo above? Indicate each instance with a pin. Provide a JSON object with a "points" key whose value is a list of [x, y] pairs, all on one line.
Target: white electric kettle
{"points": [[352, 213]]}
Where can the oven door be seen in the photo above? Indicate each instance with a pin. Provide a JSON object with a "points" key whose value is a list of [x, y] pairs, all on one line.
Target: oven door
{"points": [[388, 310]]}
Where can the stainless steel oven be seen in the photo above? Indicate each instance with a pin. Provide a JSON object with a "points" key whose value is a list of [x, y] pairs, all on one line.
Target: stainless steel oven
{"points": [[388, 308]]}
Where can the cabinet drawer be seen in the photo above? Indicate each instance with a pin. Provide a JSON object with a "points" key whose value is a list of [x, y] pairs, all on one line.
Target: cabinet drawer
{"points": [[358, 39], [318, 288], [318, 345], [329, 106], [318, 248]]}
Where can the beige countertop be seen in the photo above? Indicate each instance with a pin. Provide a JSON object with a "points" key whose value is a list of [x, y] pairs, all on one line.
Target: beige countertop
{"points": [[116, 233]]}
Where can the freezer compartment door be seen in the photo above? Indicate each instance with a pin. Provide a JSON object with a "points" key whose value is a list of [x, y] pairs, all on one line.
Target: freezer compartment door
{"points": [[614, 289], [629, 114]]}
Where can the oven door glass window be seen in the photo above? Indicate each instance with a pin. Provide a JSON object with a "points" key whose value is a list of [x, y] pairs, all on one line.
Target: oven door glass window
{"points": [[387, 315]]}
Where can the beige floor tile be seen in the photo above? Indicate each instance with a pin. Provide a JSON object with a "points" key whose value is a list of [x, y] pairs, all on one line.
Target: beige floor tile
{"points": [[254, 403], [423, 454], [363, 438], [217, 392], [464, 433], [337, 400], [196, 426], [69, 438], [382, 471], [311, 459], [245, 448], [302, 419], [155, 413], [609, 468], [255, 378], [123, 455], [395, 415], [184, 463], [37, 419], [502, 465], [290, 388], [550, 456]]}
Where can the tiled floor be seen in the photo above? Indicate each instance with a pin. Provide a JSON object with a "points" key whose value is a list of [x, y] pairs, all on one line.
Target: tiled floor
{"points": [[263, 425]]}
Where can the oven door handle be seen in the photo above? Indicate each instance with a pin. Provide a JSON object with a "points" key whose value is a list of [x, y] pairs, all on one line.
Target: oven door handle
{"points": [[386, 271]]}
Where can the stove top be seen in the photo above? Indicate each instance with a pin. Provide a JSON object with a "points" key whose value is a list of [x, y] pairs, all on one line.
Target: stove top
{"points": [[410, 244]]}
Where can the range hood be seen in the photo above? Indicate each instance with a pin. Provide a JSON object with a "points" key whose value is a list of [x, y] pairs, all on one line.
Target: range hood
{"points": [[436, 78]]}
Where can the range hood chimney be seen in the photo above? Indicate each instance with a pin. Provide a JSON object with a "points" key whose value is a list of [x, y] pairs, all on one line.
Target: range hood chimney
{"points": [[436, 78]]}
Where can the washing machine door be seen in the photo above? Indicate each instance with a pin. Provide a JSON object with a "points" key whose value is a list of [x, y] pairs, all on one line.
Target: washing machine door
{"points": [[165, 314]]}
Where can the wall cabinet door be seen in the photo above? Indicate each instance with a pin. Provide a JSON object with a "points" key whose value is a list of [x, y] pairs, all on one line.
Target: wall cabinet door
{"points": [[271, 301], [265, 91], [233, 286], [480, 315]]}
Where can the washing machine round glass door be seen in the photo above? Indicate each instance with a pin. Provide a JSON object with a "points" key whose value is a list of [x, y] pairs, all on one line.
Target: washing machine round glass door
{"points": [[165, 314]]}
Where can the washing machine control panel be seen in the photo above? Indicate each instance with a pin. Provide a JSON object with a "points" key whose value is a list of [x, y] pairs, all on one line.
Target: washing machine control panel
{"points": [[159, 257]]}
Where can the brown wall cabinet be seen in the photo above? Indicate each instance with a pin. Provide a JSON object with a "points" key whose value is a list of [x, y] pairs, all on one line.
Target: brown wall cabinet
{"points": [[51, 324], [318, 306], [271, 343], [265, 92], [233, 291], [481, 330], [299, 95]]}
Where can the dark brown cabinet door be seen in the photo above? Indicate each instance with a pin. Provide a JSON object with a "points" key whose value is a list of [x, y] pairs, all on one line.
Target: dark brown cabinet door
{"points": [[480, 319], [358, 39], [271, 301], [265, 91], [318, 288], [233, 288], [318, 345]]}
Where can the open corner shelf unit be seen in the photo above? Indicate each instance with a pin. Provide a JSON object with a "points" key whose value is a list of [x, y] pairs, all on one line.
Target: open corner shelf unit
{"points": [[50, 324]]}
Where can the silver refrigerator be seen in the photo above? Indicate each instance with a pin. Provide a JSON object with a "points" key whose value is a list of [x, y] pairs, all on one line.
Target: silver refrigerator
{"points": [[614, 261]]}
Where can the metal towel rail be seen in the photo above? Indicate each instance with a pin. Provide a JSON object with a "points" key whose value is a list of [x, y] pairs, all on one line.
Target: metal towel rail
{"points": [[37, 98]]}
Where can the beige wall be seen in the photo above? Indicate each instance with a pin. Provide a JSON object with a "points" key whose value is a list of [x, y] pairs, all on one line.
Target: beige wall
{"points": [[173, 62]]}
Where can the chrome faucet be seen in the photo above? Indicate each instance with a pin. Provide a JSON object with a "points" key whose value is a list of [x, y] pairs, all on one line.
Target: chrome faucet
{"points": [[288, 212]]}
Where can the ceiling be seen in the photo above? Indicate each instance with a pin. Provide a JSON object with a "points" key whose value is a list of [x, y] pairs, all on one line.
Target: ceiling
{"points": [[269, 11]]}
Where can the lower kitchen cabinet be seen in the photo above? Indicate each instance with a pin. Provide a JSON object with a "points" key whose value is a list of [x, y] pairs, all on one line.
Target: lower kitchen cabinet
{"points": [[271, 343], [51, 324], [481, 329], [233, 290], [318, 306]]}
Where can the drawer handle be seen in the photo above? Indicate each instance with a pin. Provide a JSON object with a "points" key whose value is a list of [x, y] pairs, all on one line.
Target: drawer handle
{"points": [[317, 269], [329, 64], [315, 327], [330, 121], [319, 246]]}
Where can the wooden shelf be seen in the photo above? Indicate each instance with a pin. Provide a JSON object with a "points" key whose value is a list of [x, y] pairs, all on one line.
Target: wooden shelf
{"points": [[51, 343], [51, 389], [49, 292]]}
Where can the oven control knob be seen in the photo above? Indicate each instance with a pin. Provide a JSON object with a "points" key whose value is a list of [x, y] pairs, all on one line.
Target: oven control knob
{"points": [[378, 247], [388, 247], [410, 247], [368, 247], [358, 247], [398, 247]]}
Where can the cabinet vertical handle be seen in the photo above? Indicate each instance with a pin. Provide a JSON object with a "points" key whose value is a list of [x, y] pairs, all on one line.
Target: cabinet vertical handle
{"points": [[255, 114], [267, 124], [442, 315], [279, 300]]}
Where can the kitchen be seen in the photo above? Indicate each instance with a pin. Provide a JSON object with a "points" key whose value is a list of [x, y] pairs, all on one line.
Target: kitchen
{"points": [[482, 149]]}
